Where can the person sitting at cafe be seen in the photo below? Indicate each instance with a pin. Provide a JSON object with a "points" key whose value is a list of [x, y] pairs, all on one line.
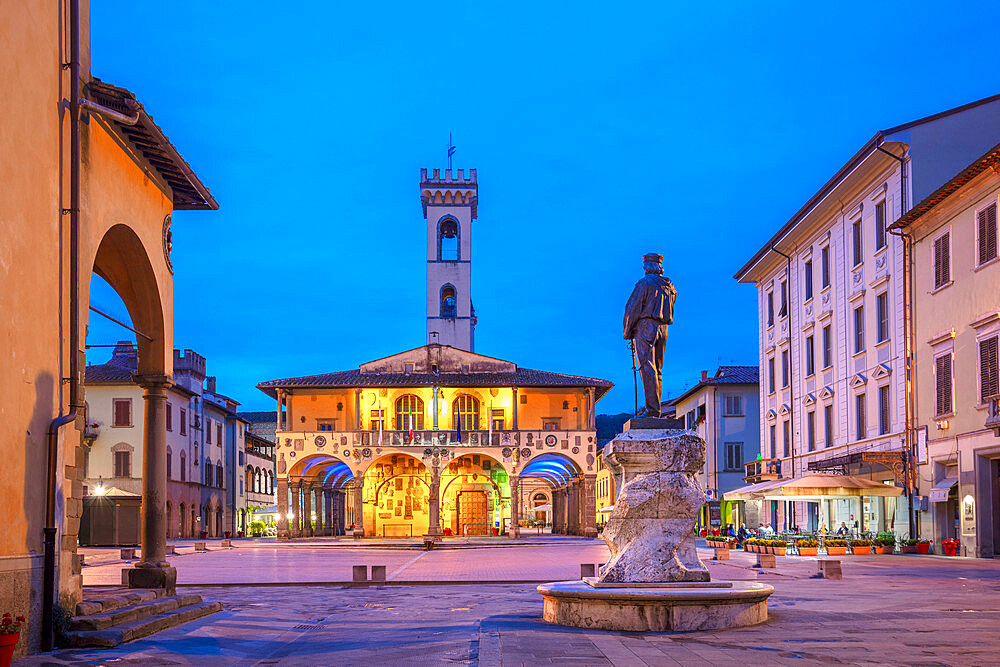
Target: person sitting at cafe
{"points": [[843, 529]]}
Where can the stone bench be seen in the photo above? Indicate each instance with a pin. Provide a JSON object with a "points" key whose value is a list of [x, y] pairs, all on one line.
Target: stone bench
{"points": [[227, 544], [200, 546], [722, 553], [128, 554], [360, 573], [830, 569]]}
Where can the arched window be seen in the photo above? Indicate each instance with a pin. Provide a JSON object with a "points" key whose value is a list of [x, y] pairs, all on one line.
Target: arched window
{"points": [[448, 240], [208, 472], [257, 482], [249, 480], [448, 302], [409, 413], [465, 412], [270, 482]]}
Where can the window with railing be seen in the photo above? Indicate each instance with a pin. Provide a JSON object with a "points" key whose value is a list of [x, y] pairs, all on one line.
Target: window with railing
{"points": [[465, 412]]}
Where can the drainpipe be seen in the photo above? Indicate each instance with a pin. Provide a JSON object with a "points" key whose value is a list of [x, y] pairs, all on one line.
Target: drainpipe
{"points": [[75, 408], [791, 379], [908, 342]]}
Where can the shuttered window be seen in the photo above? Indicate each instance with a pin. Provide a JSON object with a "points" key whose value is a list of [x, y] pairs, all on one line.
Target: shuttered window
{"points": [[942, 384], [218, 432], [825, 266], [882, 315], [857, 241], [810, 356], [860, 423], [784, 439], [987, 234], [208, 431], [880, 225], [808, 283], [183, 422], [884, 411], [828, 425], [942, 260], [123, 464], [123, 411], [170, 416], [989, 380], [770, 309], [827, 347], [859, 329], [811, 430], [770, 375]]}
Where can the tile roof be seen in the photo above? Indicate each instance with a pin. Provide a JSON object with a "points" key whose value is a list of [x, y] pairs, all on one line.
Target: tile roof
{"points": [[116, 371], [522, 377], [990, 159], [725, 375], [260, 417], [148, 140]]}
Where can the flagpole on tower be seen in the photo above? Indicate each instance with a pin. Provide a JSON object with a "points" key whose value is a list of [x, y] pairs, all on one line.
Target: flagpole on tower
{"points": [[451, 149]]}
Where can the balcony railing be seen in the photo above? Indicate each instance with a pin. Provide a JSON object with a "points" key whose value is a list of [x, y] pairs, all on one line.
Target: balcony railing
{"points": [[762, 470], [536, 441], [993, 420]]}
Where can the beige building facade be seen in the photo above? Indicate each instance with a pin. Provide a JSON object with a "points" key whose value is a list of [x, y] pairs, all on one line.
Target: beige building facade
{"points": [[956, 328], [88, 187]]}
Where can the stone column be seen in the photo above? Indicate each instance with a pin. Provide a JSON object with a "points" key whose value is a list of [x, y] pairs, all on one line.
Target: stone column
{"points": [[359, 505], [307, 504], [589, 506], [340, 522], [513, 402], [296, 510], [515, 506], [434, 500], [328, 519], [557, 509], [154, 571], [282, 508]]}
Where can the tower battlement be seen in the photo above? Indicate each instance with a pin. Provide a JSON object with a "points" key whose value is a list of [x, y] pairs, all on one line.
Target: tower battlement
{"points": [[459, 179], [455, 189]]}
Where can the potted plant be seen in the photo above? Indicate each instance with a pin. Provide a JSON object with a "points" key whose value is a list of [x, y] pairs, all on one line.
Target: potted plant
{"points": [[10, 630], [910, 546], [885, 543], [836, 547], [950, 547], [808, 547], [228, 534], [861, 547], [923, 546], [778, 547]]}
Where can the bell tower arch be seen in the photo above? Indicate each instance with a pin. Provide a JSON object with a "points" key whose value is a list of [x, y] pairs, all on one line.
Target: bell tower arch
{"points": [[449, 205]]}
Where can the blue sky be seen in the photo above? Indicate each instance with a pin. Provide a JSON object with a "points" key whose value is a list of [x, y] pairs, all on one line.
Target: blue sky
{"points": [[599, 131]]}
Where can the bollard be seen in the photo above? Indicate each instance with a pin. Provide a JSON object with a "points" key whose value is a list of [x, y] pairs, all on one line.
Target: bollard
{"points": [[378, 573], [360, 573], [722, 554], [830, 569], [587, 570], [128, 554], [200, 546], [765, 560]]}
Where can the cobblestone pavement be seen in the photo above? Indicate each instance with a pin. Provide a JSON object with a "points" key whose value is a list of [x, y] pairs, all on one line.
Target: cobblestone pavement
{"points": [[905, 610]]}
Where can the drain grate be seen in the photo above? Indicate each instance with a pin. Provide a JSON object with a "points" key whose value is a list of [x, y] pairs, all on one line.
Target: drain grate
{"points": [[308, 626]]}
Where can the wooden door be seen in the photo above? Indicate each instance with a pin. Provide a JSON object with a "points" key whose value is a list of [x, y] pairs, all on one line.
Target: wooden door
{"points": [[473, 518]]}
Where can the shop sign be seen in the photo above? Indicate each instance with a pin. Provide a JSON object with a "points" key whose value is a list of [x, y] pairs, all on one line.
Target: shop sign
{"points": [[715, 513], [969, 514]]}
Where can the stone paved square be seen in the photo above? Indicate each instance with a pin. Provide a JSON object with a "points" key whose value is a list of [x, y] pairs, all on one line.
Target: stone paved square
{"points": [[900, 610]]}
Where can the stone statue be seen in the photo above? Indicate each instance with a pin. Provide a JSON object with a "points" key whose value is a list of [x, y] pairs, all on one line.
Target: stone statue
{"points": [[648, 312], [651, 531]]}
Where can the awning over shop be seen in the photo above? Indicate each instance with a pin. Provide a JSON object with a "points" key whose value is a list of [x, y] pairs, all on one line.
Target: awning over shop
{"points": [[609, 508], [542, 508], [939, 494], [812, 487]]}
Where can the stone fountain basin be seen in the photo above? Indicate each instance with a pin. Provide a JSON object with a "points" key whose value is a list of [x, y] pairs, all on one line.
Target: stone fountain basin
{"points": [[677, 608]]}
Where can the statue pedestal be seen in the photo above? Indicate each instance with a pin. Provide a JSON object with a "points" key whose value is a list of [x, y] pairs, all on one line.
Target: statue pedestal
{"points": [[654, 579]]}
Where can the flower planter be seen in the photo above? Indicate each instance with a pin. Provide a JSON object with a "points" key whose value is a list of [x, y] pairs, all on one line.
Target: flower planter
{"points": [[7, 643], [908, 549], [836, 551], [779, 551], [861, 551], [950, 549], [808, 551], [923, 547], [884, 550]]}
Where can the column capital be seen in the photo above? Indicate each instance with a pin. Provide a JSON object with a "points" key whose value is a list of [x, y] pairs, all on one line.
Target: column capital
{"points": [[153, 381]]}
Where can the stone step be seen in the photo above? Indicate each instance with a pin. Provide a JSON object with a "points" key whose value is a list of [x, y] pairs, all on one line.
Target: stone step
{"points": [[133, 612], [98, 603], [132, 630]]}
